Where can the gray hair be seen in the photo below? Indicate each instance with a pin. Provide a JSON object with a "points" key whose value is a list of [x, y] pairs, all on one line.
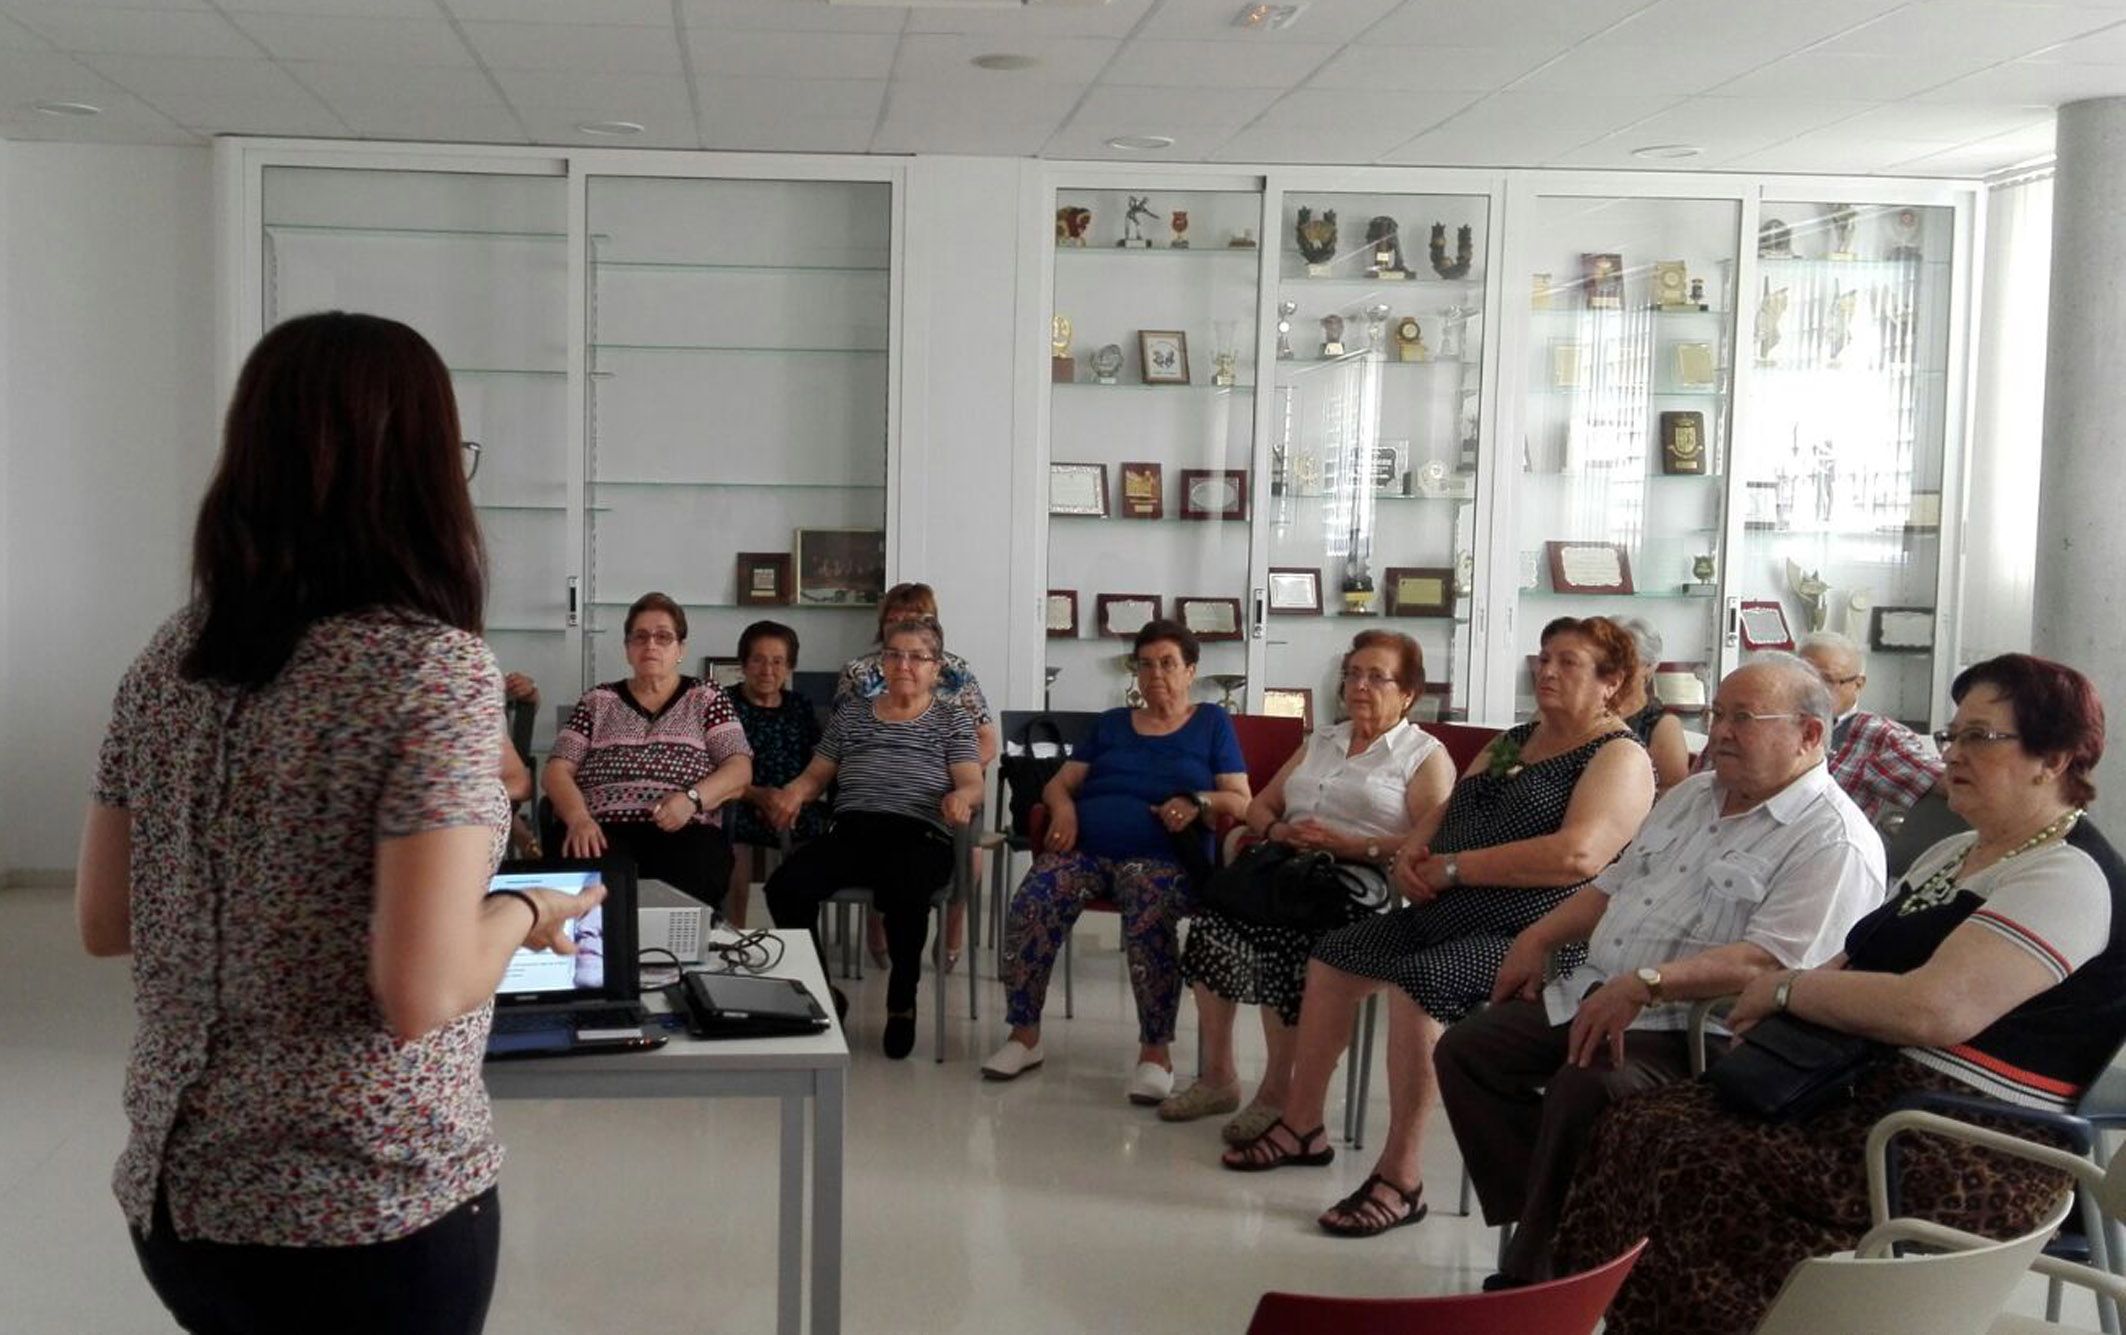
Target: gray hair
{"points": [[927, 627], [1806, 694], [1845, 646], [1644, 636]]}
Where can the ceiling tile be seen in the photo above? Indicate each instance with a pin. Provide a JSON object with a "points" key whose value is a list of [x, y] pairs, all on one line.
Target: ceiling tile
{"points": [[1774, 27], [1829, 151], [1539, 125], [41, 76], [1942, 123], [1332, 21], [392, 41], [1845, 75], [1157, 110], [792, 55], [783, 134], [413, 120], [633, 13], [936, 57], [1984, 31], [96, 130], [557, 46], [120, 4], [1462, 23], [212, 112], [1264, 142], [15, 37], [557, 125], [1210, 64], [908, 134], [335, 80], [622, 95], [1985, 155], [1442, 148], [135, 31], [922, 119], [154, 77], [1081, 139], [743, 101], [2027, 82], [1476, 69], [2104, 47], [1114, 19], [410, 9], [1328, 112], [1615, 70], [787, 16], [1724, 127]]}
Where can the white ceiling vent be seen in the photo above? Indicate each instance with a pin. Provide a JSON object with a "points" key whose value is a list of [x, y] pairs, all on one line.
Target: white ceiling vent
{"points": [[971, 4]]}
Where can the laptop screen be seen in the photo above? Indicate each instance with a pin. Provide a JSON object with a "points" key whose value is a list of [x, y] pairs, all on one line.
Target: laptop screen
{"points": [[603, 967]]}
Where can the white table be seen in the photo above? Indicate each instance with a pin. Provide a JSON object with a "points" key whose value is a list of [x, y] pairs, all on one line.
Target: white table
{"points": [[793, 1070]]}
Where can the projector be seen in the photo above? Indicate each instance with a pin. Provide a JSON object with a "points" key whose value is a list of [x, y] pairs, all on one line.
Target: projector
{"points": [[669, 920]]}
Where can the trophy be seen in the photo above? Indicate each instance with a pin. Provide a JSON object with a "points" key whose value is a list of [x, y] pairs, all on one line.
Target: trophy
{"points": [[1048, 682], [1775, 240], [1465, 571], [1387, 247], [1464, 251], [1179, 226], [1306, 473], [1332, 336], [1228, 682], [1377, 325], [1133, 237], [1843, 220], [1131, 696], [1062, 367], [1106, 363], [1410, 341], [1244, 239], [1810, 589], [1280, 468], [1671, 285], [1839, 335], [1285, 311], [1454, 332], [1697, 293], [1701, 575], [1317, 240], [1071, 222], [1225, 334], [1357, 586], [1904, 235], [1771, 308]]}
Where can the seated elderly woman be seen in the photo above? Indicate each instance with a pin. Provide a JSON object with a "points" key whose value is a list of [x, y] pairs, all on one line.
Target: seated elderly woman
{"points": [[1659, 731], [644, 764], [1542, 809], [906, 772], [864, 676], [1358, 790], [1118, 809], [1997, 967], [782, 728]]}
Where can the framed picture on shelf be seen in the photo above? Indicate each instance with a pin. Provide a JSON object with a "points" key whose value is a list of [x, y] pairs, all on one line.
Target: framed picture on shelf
{"points": [[1391, 465], [1078, 489], [1696, 366], [1682, 443], [1163, 356], [763, 579], [1214, 493], [727, 673], [1120, 616], [1602, 274], [1419, 591], [1761, 622], [1290, 702], [1062, 614], [1901, 630], [1295, 591], [1588, 567], [1924, 513], [1143, 492], [1566, 359], [1210, 618], [841, 566]]}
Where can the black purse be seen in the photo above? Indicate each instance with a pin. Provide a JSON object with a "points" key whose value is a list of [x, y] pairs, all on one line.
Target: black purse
{"points": [[1787, 1068], [1026, 774], [1277, 885]]}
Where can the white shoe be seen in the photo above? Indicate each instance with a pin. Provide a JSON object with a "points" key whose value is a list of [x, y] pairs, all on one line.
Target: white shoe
{"points": [[1011, 1061], [1151, 1083]]}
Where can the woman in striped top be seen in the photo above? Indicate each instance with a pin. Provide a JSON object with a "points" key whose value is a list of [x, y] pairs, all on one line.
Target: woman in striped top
{"points": [[906, 771]]}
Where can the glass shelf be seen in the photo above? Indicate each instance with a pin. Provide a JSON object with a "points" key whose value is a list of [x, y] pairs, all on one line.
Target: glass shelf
{"points": [[1473, 279], [681, 266], [507, 370], [737, 486], [1145, 252], [439, 233], [730, 347], [520, 509], [527, 630], [1159, 389], [765, 608], [1549, 594], [1378, 496], [1575, 312]]}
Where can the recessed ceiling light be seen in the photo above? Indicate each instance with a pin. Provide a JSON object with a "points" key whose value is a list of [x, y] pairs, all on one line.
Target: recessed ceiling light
{"points": [[67, 109], [1004, 60], [1140, 143], [1266, 18], [610, 129], [1667, 151]]}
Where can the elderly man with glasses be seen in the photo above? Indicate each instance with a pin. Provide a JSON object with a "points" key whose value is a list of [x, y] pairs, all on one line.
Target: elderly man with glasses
{"points": [[1882, 765], [1758, 863]]}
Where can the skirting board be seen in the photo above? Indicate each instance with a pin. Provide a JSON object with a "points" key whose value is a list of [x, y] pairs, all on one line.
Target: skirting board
{"points": [[36, 878]]}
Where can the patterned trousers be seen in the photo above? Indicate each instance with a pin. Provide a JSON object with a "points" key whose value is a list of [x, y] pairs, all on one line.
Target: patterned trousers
{"points": [[1154, 896]]}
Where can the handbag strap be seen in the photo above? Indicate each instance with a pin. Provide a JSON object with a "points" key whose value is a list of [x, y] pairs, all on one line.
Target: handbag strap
{"points": [[1055, 734]]}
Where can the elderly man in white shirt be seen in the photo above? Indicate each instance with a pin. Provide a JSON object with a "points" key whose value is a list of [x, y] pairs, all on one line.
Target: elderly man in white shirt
{"points": [[1759, 863]]}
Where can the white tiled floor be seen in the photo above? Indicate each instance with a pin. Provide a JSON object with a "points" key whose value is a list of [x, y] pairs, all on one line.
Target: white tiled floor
{"points": [[1045, 1205]]}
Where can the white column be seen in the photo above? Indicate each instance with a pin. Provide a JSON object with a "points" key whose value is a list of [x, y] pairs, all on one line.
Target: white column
{"points": [[2080, 615]]}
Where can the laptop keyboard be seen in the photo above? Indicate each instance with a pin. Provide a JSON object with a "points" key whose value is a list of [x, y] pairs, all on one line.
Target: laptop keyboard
{"points": [[595, 1017]]}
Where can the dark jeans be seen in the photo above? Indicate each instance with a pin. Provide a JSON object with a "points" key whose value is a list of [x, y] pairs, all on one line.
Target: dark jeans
{"points": [[693, 859], [435, 1281], [901, 860]]}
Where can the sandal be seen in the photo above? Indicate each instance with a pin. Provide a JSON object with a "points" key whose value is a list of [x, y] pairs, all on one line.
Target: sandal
{"points": [[1364, 1211], [1249, 1123], [1202, 1099], [1263, 1153]]}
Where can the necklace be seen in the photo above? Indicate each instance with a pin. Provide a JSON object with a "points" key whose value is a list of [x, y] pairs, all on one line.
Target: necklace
{"points": [[1939, 888]]}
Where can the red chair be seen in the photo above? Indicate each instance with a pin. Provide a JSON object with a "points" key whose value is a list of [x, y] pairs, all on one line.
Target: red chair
{"points": [[1568, 1306], [1464, 741]]}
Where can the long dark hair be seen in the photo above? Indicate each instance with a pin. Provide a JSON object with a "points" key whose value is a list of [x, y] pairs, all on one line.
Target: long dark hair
{"points": [[340, 487]]}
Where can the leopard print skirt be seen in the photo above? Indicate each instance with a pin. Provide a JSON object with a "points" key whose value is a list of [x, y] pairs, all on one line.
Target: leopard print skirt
{"points": [[1732, 1204]]}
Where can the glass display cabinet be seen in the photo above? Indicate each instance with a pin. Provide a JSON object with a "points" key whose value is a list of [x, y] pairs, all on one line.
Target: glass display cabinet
{"points": [[1150, 493], [1842, 440], [737, 432], [1620, 494], [1374, 423]]}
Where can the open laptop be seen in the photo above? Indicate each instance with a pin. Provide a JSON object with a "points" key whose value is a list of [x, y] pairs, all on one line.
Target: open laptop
{"points": [[549, 1003]]}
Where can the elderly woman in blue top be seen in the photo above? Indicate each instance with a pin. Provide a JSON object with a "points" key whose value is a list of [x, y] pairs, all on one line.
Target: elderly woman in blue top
{"points": [[1116, 813]]}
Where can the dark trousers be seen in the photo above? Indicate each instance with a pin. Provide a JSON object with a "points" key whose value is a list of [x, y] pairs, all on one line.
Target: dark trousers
{"points": [[901, 860], [436, 1281], [693, 859], [1522, 1116]]}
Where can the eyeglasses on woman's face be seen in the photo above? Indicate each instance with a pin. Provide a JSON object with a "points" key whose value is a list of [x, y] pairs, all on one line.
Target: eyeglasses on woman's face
{"points": [[1367, 679], [1972, 738], [907, 657], [643, 639]]}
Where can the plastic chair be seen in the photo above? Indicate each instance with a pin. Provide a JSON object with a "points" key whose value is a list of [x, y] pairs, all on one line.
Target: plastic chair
{"points": [[1075, 726], [1568, 1306]]}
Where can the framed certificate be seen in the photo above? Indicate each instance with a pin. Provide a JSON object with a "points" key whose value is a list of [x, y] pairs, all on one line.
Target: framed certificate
{"points": [[763, 579], [1210, 618], [1901, 630], [1588, 567], [1062, 614], [1295, 591], [1761, 622], [1391, 462], [1163, 356], [1078, 489], [1682, 442], [1143, 493], [1290, 702], [1214, 493], [725, 672], [1121, 615], [1419, 591], [1924, 514]]}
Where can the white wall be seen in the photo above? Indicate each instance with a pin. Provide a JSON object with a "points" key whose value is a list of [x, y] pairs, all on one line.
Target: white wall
{"points": [[108, 432]]}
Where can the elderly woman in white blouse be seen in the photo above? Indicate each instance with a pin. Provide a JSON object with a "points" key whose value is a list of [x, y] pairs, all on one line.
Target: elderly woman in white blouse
{"points": [[1358, 790]]}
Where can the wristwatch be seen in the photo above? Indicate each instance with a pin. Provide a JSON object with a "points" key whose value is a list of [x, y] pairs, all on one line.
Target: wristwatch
{"points": [[1453, 865], [1784, 993], [694, 796], [1652, 979], [1373, 852]]}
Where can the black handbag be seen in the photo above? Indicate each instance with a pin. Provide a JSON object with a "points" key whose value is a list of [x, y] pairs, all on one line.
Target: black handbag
{"points": [[1277, 885], [1026, 774], [1787, 1068]]}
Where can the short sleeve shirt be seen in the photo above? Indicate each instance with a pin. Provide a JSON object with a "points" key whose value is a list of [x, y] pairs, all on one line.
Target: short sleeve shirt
{"points": [[1882, 764], [267, 1098], [1129, 773], [1366, 794], [897, 768], [865, 678], [628, 759]]}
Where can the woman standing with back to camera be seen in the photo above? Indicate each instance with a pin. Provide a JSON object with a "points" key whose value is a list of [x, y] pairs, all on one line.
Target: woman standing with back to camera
{"points": [[296, 812]]}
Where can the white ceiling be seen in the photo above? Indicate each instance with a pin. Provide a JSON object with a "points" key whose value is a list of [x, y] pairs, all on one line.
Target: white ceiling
{"points": [[1911, 87]]}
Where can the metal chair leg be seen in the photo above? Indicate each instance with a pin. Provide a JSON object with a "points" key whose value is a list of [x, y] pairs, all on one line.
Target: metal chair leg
{"points": [[1070, 1001], [1465, 1191], [937, 951], [1361, 1071], [1351, 1081]]}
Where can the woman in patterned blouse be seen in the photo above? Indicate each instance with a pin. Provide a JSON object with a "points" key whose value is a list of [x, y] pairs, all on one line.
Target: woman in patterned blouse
{"points": [[782, 728], [644, 765], [296, 812]]}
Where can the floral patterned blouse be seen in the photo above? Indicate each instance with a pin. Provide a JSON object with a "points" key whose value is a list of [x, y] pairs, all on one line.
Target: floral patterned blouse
{"points": [[863, 676], [268, 1100]]}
